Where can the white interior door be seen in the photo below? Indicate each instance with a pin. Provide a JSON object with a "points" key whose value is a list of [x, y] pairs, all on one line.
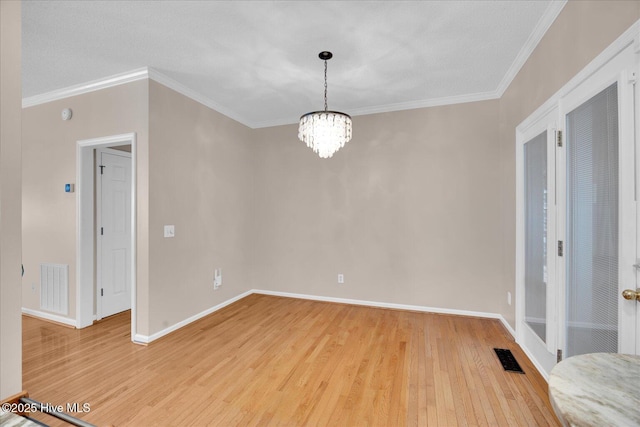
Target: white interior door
{"points": [[578, 222], [599, 218], [536, 268], [113, 232]]}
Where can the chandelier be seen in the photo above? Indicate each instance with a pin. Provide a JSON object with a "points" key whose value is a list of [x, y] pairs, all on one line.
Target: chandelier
{"points": [[325, 132]]}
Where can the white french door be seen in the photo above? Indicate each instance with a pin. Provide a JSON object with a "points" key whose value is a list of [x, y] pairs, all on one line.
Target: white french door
{"points": [[578, 220], [599, 219], [538, 287]]}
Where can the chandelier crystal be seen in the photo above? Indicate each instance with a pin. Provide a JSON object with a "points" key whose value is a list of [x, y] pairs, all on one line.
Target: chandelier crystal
{"points": [[325, 132]]}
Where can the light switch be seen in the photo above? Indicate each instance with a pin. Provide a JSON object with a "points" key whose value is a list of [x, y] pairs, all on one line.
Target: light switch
{"points": [[169, 231]]}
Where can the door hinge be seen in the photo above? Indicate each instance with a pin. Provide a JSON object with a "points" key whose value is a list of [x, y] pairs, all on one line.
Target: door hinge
{"points": [[560, 248], [559, 356], [101, 292], [102, 231], [102, 169], [559, 138]]}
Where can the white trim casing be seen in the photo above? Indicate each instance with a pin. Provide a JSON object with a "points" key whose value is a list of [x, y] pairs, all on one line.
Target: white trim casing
{"points": [[544, 352], [85, 226], [134, 235], [600, 71]]}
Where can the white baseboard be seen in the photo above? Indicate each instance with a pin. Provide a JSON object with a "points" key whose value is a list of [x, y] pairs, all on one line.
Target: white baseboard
{"points": [[508, 326], [146, 339], [49, 316], [535, 362], [140, 339], [420, 308]]}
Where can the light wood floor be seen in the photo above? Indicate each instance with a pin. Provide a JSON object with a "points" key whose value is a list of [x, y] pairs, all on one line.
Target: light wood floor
{"points": [[281, 361]]}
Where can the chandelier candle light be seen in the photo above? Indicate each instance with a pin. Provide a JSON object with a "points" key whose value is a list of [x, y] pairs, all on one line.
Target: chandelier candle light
{"points": [[325, 132]]}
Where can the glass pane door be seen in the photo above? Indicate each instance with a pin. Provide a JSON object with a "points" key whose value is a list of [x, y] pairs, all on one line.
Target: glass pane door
{"points": [[591, 322], [578, 217], [535, 234]]}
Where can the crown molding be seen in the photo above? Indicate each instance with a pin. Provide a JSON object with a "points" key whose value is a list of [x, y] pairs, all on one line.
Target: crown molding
{"points": [[164, 80], [92, 86], [128, 77], [553, 10], [157, 76], [401, 106], [433, 102], [629, 37], [550, 15]]}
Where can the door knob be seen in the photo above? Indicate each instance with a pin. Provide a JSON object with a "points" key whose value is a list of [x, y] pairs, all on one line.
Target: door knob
{"points": [[631, 295]]}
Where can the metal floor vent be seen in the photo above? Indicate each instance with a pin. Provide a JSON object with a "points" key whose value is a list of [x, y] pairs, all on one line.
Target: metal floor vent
{"points": [[509, 362]]}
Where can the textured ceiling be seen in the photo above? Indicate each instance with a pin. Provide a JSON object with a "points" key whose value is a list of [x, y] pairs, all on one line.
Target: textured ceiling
{"points": [[258, 59]]}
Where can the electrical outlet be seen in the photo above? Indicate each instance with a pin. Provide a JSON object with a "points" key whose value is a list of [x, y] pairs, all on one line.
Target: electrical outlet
{"points": [[509, 298], [340, 278], [33, 287], [217, 278]]}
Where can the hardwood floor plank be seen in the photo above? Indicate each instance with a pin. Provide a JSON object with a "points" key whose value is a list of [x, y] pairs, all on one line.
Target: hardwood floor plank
{"points": [[268, 360]]}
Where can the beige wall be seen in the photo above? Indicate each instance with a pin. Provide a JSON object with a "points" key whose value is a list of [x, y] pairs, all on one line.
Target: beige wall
{"points": [[194, 171], [200, 165], [10, 206], [407, 211], [417, 209], [420, 206], [582, 30], [49, 161]]}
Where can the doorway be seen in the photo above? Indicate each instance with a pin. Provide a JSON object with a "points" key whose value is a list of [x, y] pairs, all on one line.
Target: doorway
{"points": [[87, 270], [113, 230], [578, 221]]}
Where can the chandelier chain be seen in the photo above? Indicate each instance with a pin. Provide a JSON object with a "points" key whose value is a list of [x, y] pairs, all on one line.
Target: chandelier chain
{"points": [[325, 85]]}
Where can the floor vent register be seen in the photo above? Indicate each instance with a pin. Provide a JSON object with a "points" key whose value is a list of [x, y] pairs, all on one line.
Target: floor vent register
{"points": [[509, 362]]}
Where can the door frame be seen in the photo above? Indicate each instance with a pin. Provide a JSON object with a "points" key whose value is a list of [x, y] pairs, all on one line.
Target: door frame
{"points": [[629, 39], [98, 217], [85, 226], [541, 353], [616, 71]]}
